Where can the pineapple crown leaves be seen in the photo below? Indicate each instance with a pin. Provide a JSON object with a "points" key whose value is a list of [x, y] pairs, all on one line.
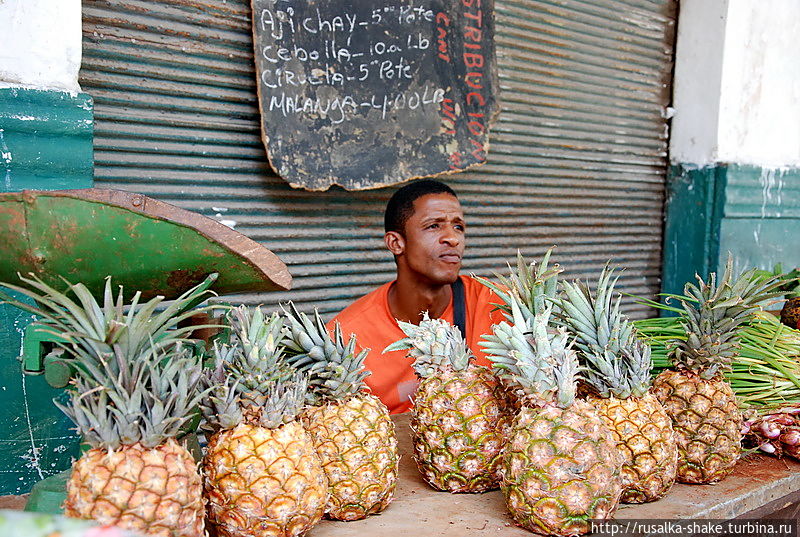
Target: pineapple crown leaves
{"points": [[595, 319], [220, 406], [227, 402], [566, 373], [92, 330], [284, 401], [623, 374], [255, 354], [616, 363], [245, 369], [712, 314], [790, 281], [433, 345], [335, 370], [258, 335], [531, 357], [532, 286], [123, 402]]}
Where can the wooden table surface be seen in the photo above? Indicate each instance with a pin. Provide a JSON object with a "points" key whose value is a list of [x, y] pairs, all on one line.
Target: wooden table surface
{"points": [[420, 511]]}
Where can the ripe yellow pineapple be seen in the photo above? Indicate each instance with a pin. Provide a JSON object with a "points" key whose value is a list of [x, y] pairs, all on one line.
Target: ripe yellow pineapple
{"points": [[460, 415], [696, 395], [351, 428], [263, 477], [618, 376], [136, 386], [560, 465]]}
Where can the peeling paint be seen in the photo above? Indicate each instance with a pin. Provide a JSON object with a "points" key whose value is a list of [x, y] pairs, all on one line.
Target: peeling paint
{"points": [[5, 154], [771, 191]]}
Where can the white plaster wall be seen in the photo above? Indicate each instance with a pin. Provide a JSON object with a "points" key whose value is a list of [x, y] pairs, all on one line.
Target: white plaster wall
{"points": [[736, 91], [697, 81], [760, 105], [40, 44]]}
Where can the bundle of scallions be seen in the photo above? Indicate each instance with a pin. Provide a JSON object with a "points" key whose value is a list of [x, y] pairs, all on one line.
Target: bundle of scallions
{"points": [[765, 375]]}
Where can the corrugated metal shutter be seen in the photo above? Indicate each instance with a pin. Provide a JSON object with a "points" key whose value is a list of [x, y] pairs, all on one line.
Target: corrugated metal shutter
{"points": [[577, 158]]}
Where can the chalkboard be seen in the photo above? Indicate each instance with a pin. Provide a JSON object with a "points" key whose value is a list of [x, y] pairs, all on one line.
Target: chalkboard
{"points": [[368, 94]]}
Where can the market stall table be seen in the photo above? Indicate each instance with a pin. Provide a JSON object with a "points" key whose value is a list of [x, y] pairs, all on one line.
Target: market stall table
{"points": [[759, 486]]}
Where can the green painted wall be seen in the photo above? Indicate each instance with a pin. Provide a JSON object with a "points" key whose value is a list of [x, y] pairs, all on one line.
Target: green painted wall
{"points": [[45, 143], [749, 211], [695, 198], [45, 139], [761, 225], [36, 439]]}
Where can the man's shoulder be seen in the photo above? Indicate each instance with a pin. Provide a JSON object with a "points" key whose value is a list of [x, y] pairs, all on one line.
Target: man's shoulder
{"points": [[369, 303], [473, 286]]}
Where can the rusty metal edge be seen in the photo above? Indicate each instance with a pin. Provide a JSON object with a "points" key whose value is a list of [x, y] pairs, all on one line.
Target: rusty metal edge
{"points": [[254, 254]]}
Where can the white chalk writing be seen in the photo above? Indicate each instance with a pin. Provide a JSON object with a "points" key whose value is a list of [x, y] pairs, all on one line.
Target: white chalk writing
{"points": [[306, 47]]}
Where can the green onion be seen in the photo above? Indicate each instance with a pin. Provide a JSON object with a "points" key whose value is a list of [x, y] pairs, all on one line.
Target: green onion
{"points": [[766, 374]]}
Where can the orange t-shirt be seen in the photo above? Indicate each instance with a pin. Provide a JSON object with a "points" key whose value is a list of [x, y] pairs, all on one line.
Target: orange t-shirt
{"points": [[393, 379]]}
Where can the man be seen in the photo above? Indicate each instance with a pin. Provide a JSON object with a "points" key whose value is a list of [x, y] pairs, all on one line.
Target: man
{"points": [[425, 231]]}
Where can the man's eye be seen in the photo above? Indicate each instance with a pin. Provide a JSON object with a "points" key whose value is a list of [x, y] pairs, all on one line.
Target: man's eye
{"points": [[433, 226], [459, 227]]}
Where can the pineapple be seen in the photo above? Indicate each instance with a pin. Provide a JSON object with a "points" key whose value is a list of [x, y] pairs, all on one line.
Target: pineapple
{"points": [[351, 428], [560, 465], [460, 416], [135, 388], [618, 369], [262, 474], [695, 394]]}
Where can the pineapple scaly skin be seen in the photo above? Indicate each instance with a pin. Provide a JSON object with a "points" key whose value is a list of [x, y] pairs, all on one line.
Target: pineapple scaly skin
{"points": [[264, 482], [460, 416], [707, 424], [459, 424], [350, 437], [156, 491], [790, 312], [645, 438], [559, 471]]}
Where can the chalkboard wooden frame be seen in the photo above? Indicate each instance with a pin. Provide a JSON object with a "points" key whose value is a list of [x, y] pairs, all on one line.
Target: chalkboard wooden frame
{"points": [[370, 95]]}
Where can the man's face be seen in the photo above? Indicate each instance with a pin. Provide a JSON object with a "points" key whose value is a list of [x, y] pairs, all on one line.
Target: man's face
{"points": [[434, 239]]}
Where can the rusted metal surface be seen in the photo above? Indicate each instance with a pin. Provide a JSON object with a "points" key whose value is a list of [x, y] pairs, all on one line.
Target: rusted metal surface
{"points": [[144, 244], [577, 155]]}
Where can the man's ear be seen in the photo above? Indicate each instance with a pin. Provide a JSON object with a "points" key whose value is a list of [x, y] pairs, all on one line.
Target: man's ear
{"points": [[394, 242]]}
